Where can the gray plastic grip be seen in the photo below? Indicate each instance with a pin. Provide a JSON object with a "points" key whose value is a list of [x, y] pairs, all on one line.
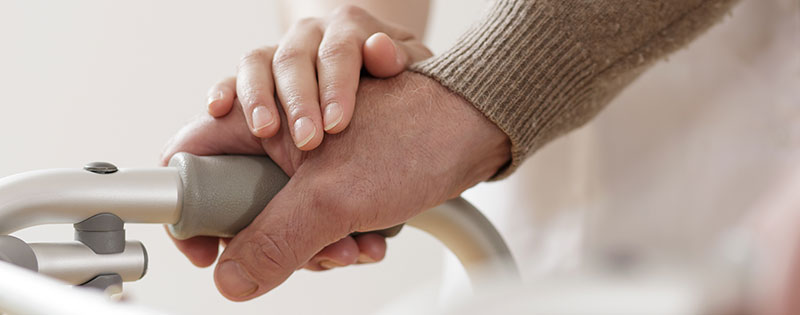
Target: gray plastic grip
{"points": [[223, 194]]}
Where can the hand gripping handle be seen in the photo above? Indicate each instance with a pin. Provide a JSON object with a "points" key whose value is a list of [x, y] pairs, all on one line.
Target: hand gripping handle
{"points": [[223, 194]]}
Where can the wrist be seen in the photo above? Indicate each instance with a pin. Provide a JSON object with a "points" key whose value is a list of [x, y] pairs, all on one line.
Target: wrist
{"points": [[489, 151], [480, 147]]}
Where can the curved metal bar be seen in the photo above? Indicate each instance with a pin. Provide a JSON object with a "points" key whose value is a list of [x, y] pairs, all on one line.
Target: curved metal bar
{"points": [[72, 195], [156, 195], [25, 292], [464, 230]]}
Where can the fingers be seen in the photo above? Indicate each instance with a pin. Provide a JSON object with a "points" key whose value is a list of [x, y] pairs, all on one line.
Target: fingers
{"points": [[338, 70], [256, 89], [221, 96], [316, 74], [339, 64], [381, 56], [279, 241], [209, 136], [385, 57], [371, 247], [340, 61], [342, 253], [363, 249], [200, 250], [294, 69]]}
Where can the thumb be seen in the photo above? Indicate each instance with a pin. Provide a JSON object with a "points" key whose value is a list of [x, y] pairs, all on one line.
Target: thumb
{"points": [[385, 57], [290, 230]]}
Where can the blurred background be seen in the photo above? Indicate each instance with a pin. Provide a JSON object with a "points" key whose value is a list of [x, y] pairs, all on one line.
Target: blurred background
{"points": [[675, 160]]}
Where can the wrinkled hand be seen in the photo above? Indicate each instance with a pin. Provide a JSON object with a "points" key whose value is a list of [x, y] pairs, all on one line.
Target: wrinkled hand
{"points": [[410, 146], [315, 72], [338, 43], [230, 135]]}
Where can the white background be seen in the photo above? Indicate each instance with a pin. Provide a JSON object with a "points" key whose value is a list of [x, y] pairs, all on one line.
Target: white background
{"points": [[676, 158]]}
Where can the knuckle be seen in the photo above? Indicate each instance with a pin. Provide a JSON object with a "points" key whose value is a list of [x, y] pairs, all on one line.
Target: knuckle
{"points": [[251, 95], [335, 91], [271, 252], [338, 48], [349, 11], [338, 207], [296, 106], [255, 55], [354, 207], [307, 22], [287, 55]]}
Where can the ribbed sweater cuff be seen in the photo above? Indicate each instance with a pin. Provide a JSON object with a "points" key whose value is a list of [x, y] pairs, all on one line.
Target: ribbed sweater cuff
{"points": [[540, 68], [517, 56]]}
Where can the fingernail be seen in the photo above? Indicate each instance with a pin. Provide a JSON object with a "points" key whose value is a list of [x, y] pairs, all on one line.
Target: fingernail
{"points": [[329, 264], [303, 131], [396, 51], [262, 118], [213, 98], [333, 115], [363, 258], [234, 281]]}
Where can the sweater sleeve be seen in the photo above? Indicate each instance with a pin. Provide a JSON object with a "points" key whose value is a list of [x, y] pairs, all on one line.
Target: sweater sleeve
{"points": [[540, 68]]}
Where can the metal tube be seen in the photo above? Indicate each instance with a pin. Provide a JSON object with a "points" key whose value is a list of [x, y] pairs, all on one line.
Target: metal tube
{"points": [[464, 230], [75, 263], [25, 292], [71, 195]]}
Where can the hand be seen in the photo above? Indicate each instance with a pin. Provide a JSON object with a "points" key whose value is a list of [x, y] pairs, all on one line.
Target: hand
{"points": [[230, 135], [382, 57], [411, 145], [315, 71]]}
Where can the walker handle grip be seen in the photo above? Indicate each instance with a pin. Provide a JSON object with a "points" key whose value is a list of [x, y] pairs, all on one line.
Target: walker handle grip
{"points": [[223, 194]]}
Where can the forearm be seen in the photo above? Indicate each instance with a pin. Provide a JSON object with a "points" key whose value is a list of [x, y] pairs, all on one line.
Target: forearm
{"points": [[538, 69], [410, 14]]}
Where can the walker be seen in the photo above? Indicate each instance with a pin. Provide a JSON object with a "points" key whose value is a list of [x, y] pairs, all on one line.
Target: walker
{"points": [[220, 195], [212, 196]]}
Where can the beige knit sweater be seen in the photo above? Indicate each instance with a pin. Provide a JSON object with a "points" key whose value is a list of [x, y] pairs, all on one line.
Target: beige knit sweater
{"points": [[540, 68]]}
